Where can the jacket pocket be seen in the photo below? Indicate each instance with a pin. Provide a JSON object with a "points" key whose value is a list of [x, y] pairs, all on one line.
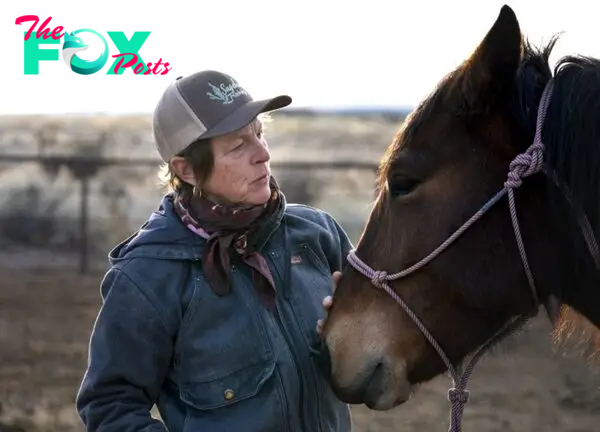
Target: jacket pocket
{"points": [[248, 399], [228, 389]]}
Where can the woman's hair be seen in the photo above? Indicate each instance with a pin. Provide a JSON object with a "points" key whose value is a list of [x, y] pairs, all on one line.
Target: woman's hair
{"points": [[200, 157]]}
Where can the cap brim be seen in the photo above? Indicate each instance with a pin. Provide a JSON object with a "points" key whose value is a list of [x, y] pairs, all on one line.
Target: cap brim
{"points": [[242, 116]]}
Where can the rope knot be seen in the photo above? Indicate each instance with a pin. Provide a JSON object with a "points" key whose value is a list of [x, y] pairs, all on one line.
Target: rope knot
{"points": [[525, 164], [458, 396], [379, 277]]}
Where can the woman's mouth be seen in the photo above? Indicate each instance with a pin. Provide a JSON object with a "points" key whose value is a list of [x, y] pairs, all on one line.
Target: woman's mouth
{"points": [[261, 180]]}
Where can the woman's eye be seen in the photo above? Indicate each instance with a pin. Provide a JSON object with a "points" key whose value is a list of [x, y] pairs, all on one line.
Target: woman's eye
{"points": [[401, 186]]}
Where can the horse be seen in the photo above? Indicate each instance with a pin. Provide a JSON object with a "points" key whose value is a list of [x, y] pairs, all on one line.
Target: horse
{"points": [[487, 211]]}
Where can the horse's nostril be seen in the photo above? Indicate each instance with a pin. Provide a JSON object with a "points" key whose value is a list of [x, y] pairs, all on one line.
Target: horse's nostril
{"points": [[323, 359]]}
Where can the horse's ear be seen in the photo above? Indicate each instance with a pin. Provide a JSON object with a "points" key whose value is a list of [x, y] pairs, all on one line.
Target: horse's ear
{"points": [[496, 59]]}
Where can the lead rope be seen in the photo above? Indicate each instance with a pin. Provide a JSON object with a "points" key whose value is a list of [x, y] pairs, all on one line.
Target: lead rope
{"points": [[524, 165]]}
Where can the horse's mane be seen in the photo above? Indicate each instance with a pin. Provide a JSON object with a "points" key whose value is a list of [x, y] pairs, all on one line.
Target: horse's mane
{"points": [[571, 133], [571, 137], [571, 129]]}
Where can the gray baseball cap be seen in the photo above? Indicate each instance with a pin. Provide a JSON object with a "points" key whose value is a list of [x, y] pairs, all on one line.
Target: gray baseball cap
{"points": [[204, 105]]}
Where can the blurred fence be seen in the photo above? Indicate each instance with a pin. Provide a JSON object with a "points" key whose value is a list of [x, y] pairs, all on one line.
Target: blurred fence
{"points": [[44, 220]]}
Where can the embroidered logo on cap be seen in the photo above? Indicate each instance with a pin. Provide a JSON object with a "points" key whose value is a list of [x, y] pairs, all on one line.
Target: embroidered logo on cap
{"points": [[226, 93]]}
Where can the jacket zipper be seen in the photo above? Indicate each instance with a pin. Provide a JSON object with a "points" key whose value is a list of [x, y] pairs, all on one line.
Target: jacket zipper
{"points": [[284, 402], [281, 389], [311, 382], [294, 356]]}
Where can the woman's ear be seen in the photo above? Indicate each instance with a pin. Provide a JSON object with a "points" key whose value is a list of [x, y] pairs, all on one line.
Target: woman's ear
{"points": [[183, 170]]}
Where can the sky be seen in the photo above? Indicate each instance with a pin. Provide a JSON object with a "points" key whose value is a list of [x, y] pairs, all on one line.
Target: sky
{"points": [[323, 53]]}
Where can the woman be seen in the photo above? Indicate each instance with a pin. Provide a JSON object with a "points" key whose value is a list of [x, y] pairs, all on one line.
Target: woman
{"points": [[210, 310]]}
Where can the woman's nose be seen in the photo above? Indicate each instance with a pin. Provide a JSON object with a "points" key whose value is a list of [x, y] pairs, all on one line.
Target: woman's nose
{"points": [[262, 153]]}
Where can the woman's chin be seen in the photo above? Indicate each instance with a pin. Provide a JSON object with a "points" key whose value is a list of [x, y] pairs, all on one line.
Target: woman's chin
{"points": [[259, 196]]}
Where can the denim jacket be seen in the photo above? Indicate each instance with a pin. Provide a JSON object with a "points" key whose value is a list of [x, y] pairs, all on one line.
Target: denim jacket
{"points": [[213, 363]]}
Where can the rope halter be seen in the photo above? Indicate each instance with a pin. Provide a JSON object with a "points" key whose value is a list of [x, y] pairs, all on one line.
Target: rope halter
{"points": [[524, 165]]}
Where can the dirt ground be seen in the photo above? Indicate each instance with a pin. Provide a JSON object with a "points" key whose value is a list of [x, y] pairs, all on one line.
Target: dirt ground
{"points": [[46, 317]]}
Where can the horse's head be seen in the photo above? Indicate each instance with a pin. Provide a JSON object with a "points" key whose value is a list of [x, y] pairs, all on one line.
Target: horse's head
{"points": [[451, 156]]}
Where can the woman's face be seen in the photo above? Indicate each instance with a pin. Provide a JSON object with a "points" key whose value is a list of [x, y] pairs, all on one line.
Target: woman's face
{"points": [[241, 173]]}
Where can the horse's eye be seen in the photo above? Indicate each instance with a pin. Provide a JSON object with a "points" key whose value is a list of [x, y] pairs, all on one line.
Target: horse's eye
{"points": [[400, 186]]}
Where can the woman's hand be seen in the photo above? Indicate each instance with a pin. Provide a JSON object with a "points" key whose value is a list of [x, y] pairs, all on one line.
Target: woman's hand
{"points": [[328, 301]]}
